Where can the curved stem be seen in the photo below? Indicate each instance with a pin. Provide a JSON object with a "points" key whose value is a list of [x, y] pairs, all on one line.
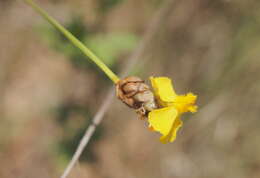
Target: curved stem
{"points": [[75, 41]]}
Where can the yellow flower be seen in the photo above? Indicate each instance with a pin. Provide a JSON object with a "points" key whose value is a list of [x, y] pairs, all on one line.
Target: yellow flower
{"points": [[166, 119]]}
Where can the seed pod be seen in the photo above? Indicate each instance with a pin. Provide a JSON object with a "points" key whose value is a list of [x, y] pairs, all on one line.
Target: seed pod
{"points": [[136, 94]]}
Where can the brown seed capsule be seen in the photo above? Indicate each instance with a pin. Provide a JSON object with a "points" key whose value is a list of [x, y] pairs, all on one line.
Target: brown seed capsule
{"points": [[136, 94]]}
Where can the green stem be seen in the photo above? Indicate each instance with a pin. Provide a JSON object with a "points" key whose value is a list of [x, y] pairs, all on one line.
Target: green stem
{"points": [[75, 41]]}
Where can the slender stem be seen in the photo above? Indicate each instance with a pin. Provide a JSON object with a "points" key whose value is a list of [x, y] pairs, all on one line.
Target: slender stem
{"points": [[75, 41]]}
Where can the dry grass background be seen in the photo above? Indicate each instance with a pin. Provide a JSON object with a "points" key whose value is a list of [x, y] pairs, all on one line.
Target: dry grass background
{"points": [[211, 48]]}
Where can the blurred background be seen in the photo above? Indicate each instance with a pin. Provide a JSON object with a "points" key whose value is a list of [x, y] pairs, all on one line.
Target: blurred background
{"points": [[49, 92]]}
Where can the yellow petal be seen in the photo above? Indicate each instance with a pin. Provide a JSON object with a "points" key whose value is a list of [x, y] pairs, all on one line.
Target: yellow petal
{"points": [[162, 120], [185, 103], [193, 108], [163, 89], [173, 132]]}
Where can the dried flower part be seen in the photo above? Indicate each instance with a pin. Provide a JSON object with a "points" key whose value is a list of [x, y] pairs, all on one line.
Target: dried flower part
{"points": [[136, 94]]}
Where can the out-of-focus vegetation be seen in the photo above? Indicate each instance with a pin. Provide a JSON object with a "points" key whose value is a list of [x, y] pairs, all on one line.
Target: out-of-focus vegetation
{"points": [[49, 91]]}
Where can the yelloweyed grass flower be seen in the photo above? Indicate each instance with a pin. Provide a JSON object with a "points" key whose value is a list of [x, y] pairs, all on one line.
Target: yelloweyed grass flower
{"points": [[166, 119]]}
